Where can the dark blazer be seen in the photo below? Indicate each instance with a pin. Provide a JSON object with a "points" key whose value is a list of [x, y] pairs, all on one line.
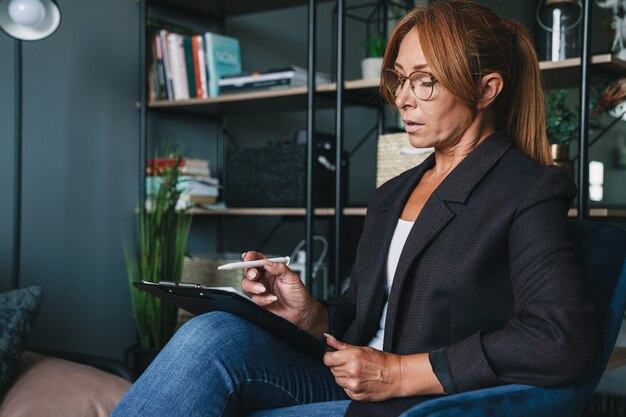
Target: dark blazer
{"points": [[487, 272]]}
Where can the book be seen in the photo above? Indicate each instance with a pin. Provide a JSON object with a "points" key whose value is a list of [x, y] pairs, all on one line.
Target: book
{"points": [[188, 166], [177, 66], [223, 57], [199, 299], [190, 67], [270, 78], [166, 64], [200, 66]]}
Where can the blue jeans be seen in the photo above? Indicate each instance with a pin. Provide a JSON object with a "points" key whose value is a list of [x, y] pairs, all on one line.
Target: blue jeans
{"points": [[220, 365]]}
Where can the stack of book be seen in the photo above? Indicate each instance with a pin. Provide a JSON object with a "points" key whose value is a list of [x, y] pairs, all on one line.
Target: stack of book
{"points": [[196, 186], [183, 66], [268, 79]]}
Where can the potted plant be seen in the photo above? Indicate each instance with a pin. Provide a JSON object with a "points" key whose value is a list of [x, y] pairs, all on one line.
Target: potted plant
{"points": [[561, 126], [163, 230], [371, 66]]}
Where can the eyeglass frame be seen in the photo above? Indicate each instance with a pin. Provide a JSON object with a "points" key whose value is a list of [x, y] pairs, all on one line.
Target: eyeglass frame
{"points": [[404, 79]]}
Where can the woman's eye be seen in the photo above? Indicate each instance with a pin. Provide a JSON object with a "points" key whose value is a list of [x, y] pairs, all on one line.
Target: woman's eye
{"points": [[425, 82]]}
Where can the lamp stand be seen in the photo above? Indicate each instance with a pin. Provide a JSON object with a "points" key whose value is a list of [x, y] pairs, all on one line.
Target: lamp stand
{"points": [[17, 168]]}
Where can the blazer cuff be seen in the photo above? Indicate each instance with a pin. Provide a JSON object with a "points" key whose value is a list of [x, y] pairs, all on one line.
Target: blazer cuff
{"points": [[441, 368]]}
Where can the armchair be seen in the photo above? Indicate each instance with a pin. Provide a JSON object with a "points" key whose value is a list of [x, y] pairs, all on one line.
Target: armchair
{"points": [[601, 250]]}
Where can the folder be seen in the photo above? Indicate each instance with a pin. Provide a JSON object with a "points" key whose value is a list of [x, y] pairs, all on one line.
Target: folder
{"points": [[199, 299]]}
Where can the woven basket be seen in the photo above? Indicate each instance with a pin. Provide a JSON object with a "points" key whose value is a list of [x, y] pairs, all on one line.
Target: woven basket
{"points": [[204, 271], [396, 155]]}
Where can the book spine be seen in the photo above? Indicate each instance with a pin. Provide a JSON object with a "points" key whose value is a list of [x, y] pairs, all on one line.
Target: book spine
{"points": [[177, 64], [196, 66], [161, 77], [202, 66], [152, 71], [166, 64], [189, 66], [210, 61]]}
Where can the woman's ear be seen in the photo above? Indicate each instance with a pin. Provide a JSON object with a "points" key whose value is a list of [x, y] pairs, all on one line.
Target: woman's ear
{"points": [[491, 86]]}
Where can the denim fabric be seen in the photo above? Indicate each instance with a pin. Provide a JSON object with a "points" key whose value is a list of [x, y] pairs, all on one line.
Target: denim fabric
{"points": [[220, 365]]}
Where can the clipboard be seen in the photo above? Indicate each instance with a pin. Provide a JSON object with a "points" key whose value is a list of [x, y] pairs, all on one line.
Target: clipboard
{"points": [[199, 299]]}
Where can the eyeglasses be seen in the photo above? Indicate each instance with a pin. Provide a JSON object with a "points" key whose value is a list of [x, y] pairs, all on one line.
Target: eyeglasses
{"points": [[422, 83]]}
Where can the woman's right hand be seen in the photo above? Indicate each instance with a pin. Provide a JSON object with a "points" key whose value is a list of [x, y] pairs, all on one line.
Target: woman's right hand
{"points": [[278, 289]]}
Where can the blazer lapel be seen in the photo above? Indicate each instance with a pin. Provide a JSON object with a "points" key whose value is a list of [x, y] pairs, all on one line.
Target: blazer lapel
{"points": [[436, 214], [384, 214]]}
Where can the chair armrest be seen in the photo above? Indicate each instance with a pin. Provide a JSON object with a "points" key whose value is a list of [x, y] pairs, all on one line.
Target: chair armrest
{"points": [[112, 366], [505, 400]]}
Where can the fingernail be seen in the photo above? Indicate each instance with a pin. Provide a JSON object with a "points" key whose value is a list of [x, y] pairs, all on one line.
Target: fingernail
{"points": [[243, 255], [259, 287], [272, 298], [251, 274]]}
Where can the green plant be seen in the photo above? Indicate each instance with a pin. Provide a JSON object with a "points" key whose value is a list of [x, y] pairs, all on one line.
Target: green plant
{"points": [[163, 231], [375, 46], [561, 121]]}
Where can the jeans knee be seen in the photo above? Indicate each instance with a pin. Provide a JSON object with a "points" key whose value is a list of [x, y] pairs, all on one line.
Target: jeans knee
{"points": [[212, 331]]}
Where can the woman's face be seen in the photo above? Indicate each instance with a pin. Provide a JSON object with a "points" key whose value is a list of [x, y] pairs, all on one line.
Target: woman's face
{"points": [[441, 121]]}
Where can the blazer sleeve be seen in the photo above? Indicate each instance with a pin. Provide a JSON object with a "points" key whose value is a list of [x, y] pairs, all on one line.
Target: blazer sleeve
{"points": [[551, 339]]}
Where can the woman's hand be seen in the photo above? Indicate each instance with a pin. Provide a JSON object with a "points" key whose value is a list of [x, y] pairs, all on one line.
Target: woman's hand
{"points": [[279, 290], [367, 374]]}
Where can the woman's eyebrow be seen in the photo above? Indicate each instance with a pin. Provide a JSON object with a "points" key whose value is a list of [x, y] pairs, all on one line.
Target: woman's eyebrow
{"points": [[415, 67]]}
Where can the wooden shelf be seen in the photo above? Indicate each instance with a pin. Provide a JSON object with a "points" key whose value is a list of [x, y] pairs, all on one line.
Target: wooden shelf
{"points": [[286, 211], [600, 212], [361, 91], [596, 212], [566, 73]]}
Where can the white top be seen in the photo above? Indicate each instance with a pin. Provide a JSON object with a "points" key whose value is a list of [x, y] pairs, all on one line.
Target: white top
{"points": [[395, 249]]}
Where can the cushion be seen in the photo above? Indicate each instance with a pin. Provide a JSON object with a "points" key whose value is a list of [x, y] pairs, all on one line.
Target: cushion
{"points": [[52, 387], [18, 309]]}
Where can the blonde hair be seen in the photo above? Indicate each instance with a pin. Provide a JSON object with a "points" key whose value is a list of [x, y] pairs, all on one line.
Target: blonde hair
{"points": [[460, 40]]}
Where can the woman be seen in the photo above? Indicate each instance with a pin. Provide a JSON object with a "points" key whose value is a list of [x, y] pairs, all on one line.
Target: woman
{"points": [[463, 279]]}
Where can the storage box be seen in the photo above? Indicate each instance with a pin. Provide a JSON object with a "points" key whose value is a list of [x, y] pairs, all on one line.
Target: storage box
{"points": [[396, 155], [275, 176]]}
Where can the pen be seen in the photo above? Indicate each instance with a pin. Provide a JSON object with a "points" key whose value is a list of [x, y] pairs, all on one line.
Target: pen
{"points": [[251, 264]]}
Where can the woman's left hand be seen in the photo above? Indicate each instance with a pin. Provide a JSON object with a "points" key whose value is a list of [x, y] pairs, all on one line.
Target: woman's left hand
{"points": [[365, 374]]}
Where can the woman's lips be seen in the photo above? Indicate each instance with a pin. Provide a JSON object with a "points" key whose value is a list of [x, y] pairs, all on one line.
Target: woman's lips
{"points": [[410, 126]]}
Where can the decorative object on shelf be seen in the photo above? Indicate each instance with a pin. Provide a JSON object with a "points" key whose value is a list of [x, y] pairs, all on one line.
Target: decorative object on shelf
{"points": [[274, 188], [619, 21], [561, 127], [162, 240], [371, 66], [23, 20], [395, 155], [613, 101], [559, 21]]}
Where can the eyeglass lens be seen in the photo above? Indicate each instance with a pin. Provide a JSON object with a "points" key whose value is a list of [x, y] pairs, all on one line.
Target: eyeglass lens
{"points": [[421, 83]]}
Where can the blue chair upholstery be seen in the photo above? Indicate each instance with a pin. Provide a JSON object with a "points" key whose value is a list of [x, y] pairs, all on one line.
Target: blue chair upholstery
{"points": [[601, 251]]}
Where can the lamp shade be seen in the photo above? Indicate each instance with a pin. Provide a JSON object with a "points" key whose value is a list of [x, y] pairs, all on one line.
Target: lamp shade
{"points": [[29, 20]]}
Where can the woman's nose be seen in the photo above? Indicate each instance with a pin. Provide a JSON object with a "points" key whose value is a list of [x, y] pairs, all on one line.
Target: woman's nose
{"points": [[405, 96]]}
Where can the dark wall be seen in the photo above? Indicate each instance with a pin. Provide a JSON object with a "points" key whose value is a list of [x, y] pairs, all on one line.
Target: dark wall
{"points": [[80, 175], [81, 153]]}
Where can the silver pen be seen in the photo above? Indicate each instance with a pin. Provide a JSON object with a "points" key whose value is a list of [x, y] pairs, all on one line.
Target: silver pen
{"points": [[251, 264]]}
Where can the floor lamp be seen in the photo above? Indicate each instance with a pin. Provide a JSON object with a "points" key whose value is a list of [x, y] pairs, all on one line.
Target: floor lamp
{"points": [[23, 20]]}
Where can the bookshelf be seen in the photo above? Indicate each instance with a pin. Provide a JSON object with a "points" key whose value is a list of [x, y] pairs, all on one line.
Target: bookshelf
{"points": [[357, 92], [560, 74], [219, 108]]}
